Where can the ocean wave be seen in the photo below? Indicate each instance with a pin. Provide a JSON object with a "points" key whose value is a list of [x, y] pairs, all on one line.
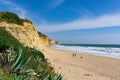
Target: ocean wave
{"points": [[99, 51]]}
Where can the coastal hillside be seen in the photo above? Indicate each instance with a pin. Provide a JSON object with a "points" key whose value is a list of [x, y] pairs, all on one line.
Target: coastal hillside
{"points": [[24, 31], [20, 51]]}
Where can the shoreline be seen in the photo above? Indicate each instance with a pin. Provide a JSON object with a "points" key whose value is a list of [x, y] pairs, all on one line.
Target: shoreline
{"points": [[111, 52], [86, 53], [89, 67]]}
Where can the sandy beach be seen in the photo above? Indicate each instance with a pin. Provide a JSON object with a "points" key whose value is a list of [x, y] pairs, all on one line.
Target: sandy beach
{"points": [[83, 66]]}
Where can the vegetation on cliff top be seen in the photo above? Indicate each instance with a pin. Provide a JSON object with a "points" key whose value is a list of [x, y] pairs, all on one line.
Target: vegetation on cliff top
{"points": [[10, 17]]}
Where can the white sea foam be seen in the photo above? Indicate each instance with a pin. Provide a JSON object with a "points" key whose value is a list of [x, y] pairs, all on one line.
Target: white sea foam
{"points": [[99, 51]]}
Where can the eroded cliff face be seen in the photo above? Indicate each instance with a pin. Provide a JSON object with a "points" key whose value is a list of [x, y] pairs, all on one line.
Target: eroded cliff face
{"points": [[27, 35], [46, 41], [51, 42]]}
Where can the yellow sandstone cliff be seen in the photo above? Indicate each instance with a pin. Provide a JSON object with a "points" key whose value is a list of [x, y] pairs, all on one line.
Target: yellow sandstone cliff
{"points": [[27, 35]]}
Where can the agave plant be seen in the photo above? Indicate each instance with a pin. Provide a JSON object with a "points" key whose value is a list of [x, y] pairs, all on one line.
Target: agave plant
{"points": [[13, 62], [16, 66], [18, 62]]}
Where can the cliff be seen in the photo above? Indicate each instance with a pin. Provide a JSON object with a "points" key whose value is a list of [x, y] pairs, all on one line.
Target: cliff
{"points": [[26, 33], [45, 41]]}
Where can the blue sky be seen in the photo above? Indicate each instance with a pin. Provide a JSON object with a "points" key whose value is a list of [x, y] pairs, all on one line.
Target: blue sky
{"points": [[71, 21]]}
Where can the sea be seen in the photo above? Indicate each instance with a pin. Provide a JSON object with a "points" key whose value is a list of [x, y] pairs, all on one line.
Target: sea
{"points": [[106, 50]]}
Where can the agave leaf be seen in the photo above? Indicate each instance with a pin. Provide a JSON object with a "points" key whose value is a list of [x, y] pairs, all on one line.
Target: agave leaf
{"points": [[51, 77], [1, 56], [21, 77], [32, 73], [39, 74], [15, 78], [46, 78], [39, 59], [17, 58], [23, 63], [6, 57], [10, 57], [59, 77], [26, 70]]}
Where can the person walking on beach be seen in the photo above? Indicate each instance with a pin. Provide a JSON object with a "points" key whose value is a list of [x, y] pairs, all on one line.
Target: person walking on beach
{"points": [[73, 55]]}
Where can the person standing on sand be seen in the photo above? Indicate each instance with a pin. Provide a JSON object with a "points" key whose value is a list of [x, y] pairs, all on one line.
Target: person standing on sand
{"points": [[75, 54]]}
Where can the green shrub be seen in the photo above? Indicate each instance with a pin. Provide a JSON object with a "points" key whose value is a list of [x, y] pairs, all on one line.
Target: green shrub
{"points": [[26, 20], [10, 18]]}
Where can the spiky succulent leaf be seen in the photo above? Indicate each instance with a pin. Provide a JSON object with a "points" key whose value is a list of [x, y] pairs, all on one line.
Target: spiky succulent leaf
{"points": [[21, 77], [10, 57], [22, 63], [17, 58], [46, 78], [60, 78]]}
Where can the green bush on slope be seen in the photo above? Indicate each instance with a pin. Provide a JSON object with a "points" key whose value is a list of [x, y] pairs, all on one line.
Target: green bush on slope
{"points": [[10, 18]]}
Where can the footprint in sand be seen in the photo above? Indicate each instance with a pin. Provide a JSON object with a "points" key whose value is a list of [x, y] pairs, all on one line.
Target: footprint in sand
{"points": [[81, 57], [59, 67], [87, 74]]}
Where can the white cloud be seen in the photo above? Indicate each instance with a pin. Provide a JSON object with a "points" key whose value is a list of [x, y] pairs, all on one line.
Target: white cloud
{"points": [[96, 22], [14, 7], [56, 3], [84, 13]]}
